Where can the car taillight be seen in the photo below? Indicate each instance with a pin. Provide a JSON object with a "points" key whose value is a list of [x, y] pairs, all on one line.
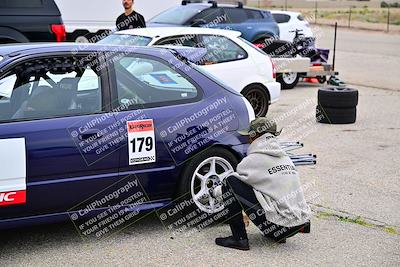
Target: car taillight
{"points": [[59, 32], [260, 46], [273, 68]]}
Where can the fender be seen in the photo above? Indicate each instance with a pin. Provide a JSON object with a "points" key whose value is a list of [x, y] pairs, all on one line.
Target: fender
{"points": [[10, 33]]}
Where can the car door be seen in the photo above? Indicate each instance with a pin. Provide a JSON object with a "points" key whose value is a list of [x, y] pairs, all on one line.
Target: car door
{"points": [[156, 99], [54, 114]]}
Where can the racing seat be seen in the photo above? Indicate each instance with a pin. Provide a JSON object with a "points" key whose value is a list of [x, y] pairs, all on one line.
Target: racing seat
{"points": [[67, 90], [18, 97], [42, 103]]}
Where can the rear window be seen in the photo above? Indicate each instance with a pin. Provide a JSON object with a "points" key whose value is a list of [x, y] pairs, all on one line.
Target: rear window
{"points": [[220, 49], [281, 18], [126, 39], [148, 82], [254, 14], [235, 15]]}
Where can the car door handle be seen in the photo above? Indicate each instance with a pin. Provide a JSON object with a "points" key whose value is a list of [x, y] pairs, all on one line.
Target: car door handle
{"points": [[92, 134]]}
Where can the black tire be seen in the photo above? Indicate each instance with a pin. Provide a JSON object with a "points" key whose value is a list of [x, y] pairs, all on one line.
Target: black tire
{"points": [[285, 82], [336, 115], [338, 97], [321, 79], [259, 99], [81, 37], [184, 187]]}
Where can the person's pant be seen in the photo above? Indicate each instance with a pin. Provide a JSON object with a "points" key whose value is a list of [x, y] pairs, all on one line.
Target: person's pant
{"points": [[245, 200]]}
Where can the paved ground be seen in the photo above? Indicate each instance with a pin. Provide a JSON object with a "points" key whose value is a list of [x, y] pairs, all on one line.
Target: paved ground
{"points": [[355, 192], [364, 58]]}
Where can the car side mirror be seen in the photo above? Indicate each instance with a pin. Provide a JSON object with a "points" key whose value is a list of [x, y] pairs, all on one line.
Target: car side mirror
{"points": [[198, 22]]}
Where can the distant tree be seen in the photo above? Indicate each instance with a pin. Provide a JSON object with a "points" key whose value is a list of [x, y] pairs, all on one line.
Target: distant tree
{"points": [[384, 4]]}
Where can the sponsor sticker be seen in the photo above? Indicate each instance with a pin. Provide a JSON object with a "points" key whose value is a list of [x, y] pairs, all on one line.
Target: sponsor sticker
{"points": [[12, 198], [141, 142], [163, 78], [12, 171]]}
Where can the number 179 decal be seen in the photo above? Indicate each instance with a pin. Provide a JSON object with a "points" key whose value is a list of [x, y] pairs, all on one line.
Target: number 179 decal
{"points": [[141, 142]]}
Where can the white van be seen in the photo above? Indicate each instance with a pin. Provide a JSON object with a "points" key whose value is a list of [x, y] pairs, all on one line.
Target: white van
{"points": [[91, 19]]}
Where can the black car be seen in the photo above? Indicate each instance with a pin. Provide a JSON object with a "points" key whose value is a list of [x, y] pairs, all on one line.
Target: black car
{"points": [[23, 21]]}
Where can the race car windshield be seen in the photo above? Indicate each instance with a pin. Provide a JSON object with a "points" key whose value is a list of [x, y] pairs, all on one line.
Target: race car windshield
{"points": [[178, 16], [126, 39]]}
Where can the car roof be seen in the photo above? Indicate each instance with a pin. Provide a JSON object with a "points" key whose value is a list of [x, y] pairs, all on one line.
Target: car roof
{"points": [[157, 32], [290, 13], [207, 5], [16, 49]]}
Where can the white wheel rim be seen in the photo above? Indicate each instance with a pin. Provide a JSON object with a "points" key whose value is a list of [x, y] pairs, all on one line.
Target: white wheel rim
{"points": [[81, 40], [209, 178], [289, 78]]}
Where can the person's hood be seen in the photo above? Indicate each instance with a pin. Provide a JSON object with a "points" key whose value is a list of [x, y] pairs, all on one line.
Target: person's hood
{"points": [[267, 144]]}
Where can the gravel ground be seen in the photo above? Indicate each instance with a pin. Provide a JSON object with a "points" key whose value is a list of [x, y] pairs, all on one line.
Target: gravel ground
{"points": [[355, 191]]}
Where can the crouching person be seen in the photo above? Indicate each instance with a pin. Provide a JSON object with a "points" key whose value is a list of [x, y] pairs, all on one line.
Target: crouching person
{"points": [[267, 187]]}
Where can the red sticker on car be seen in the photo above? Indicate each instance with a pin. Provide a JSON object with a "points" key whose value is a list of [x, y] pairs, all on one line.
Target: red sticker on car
{"points": [[12, 198], [140, 126]]}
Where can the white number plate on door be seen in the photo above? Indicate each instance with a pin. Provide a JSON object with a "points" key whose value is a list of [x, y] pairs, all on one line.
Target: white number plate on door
{"points": [[141, 142]]}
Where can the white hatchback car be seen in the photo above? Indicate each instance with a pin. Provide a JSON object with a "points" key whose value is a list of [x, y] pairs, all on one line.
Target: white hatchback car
{"points": [[290, 21], [231, 59]]}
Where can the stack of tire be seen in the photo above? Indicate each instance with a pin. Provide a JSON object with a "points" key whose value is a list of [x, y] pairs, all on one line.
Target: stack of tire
{"points": [[337, 105]]}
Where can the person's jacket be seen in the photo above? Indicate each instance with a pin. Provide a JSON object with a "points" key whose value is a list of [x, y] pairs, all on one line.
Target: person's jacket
{"points": [[275, 180]]}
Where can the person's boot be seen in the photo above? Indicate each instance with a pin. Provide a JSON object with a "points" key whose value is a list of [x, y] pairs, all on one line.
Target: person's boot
{"points": [[231, 242]]}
